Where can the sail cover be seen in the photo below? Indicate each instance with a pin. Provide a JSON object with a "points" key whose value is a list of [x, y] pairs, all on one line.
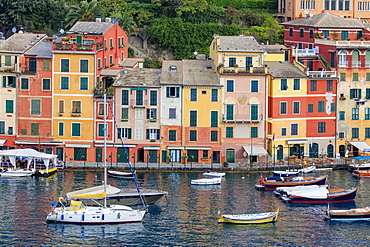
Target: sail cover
{"points": [[96, 192]]}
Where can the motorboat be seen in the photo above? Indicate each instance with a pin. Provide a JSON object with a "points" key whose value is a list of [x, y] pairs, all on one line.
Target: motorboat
{"points": [[120, 174], [352, 214], [361, 173], [273, 182], [214, 174], [353, 167], [307, 169], [321, 195], [285, 173], [206, 181], [260, 218], [17, 173], [75, 211]]}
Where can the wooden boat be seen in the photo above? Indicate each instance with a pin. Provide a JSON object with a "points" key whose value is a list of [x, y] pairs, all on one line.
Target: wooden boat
{"points": [[349, 215], [261, 218], [285, 173], [206, 181], [120, 174], [273, 182], [321, 195], [282, 191], [307, 169], [361, 173], [214, 174]]}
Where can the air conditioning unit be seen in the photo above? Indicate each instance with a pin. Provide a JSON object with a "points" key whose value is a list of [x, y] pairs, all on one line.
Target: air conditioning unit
{"points": [[108, 19]]}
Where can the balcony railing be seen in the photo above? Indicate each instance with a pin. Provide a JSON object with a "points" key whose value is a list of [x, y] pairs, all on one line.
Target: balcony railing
{"points": [[322, 73], [76, 47], [8, 67], [342, 64], [356, 64], [306, 52], [139, 103], [243, 119]]}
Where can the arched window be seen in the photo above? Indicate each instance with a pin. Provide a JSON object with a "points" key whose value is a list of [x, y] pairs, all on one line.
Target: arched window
{"points": [[314, 150], [342, 59], [355, 59], [330, 151]]}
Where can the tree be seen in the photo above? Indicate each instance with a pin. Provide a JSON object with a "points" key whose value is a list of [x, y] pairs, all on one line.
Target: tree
{"points": [[84, 11], [125, 21]]}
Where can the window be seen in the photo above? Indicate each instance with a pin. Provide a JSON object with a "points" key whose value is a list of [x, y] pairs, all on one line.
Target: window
{"points": [[124, 97], [214, 118], [153, 97], [172, 92], [344, 35], [64, 83], [172, 135], [254, 86], [76, 106], [310, 108], [46, 65], [61, 129], [214, 97], [320, 106], [248, 61], [313, 86], [84, 66], [367, 93], [84, 85], [254, 112], [342, 76], [355, 76], [229, 132], [297, 84], [152, 134], [172, 113], [139, 97], [111, 43], [101, 109], [100, 130], [290, 32], [151, 114], [124, 113], [8, 60], [46, 84], [193, 118], [99, 63], [193, 94], [124, 133], [329, 85], [64, 65], [326, 33], [301, 33], [214, 136], [283, 85], [79, 154], [296, 107], [229, 86], [2, 128], [24, 83], [355, 114], [9, 106], [10, 130], [205, 154], [283, 131], [193, 135], [367, 132], [229, 112], [332, 107], [111, 60], [34, 129], [321, 127], [254, 132], [232, 61], [355, 133], [61, 106], [35, 106], [355, 93], [367, 113], [342, 115], [311, 32], [283, 107], [341, 135], [294, 129]]}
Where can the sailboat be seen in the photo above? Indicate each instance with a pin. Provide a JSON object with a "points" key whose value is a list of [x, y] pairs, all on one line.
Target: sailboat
{"points": [[75, 211]]}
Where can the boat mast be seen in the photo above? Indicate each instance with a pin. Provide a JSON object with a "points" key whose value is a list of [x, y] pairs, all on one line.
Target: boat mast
{"points": [[105, 149]]}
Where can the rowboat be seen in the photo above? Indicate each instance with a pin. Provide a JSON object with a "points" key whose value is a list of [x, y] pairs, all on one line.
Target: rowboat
{"points": [[349, 215], [260, 218], [307, 169], [273, 182], [120, 174], [281, 191], [285, 173], [214, 174], [206, 181], [361, 173], [321, 195]]}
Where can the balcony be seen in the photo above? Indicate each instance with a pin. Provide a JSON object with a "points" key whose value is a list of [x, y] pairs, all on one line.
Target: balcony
{"points": [[11, 68], [306, 52], [138, 103], [243, 119], [226, 70], [66, 46], [356, 64], [342, 64], [322, 73]]}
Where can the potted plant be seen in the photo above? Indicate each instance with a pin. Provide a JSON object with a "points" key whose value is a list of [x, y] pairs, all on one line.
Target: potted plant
{"points": [[225, 164]]}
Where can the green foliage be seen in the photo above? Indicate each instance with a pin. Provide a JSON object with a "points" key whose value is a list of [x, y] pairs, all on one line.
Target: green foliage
{"points": [[182, 39], [153, 63], [131, 52], [83, 11], [326, 63], [270, 32]]}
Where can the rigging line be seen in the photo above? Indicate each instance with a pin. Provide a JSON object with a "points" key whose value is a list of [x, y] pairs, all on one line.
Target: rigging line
{"points": [[128, 159]]}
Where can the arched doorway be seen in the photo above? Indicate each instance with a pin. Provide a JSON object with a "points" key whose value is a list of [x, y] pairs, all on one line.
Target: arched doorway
{"points": [[297, 150], [330, 151], [314, 150], [280, 152]]}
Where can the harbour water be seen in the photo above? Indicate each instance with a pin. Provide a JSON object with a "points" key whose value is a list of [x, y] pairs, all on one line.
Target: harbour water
{"points": [[187, 217]]}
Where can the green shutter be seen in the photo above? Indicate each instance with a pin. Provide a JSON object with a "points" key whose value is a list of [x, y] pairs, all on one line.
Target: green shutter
{"points": [[229, 112], [254, 112], [214, 118], [9, 106]]}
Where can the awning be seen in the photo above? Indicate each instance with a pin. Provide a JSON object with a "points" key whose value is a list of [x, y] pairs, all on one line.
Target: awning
{"points": [[2, 142], [362, 158], [152, 148], [297, 141], [110, 72], [175, 147], [198, 148], [38, 143], [255, 150], [361, 146], [75, 145]]}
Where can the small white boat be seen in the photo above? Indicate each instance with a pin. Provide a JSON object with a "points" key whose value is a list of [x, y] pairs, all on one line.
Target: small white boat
{"points": [[206, 181], [261, 218], [214, 174], [17, 173], [307, 169], [120, 174], [285, 173]]}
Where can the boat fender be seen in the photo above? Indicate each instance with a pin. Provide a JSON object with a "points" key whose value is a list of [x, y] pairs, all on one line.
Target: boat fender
{"points": [[83, 217], [102, 216], [119, 216], [62, 217]]}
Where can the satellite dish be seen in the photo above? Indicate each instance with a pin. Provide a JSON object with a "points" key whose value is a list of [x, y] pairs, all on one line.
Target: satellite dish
{"points": [[14, 30], [61, 30]]}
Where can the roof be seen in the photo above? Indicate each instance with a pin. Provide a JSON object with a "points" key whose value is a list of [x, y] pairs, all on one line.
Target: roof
{"points": [[238, 44], [131, 62], [90, 27], [189, 73], [285, 70], [138, 77], [273, 48], [41, 50], [326, 20], [20, 42], [110, 72]]}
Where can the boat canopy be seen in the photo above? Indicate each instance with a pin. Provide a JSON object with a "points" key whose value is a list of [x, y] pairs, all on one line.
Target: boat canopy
{"points": [[96, 192], [315, 193], [362, 158], [30, 154], [288, 190]]}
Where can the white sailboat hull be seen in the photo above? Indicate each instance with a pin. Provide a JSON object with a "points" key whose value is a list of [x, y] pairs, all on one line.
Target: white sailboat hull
{"points": [[96, 215], [17, 173]]}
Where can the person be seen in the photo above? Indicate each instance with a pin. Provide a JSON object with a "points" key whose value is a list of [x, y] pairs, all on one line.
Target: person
{"points": [[305, 163], [262, 179]]}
